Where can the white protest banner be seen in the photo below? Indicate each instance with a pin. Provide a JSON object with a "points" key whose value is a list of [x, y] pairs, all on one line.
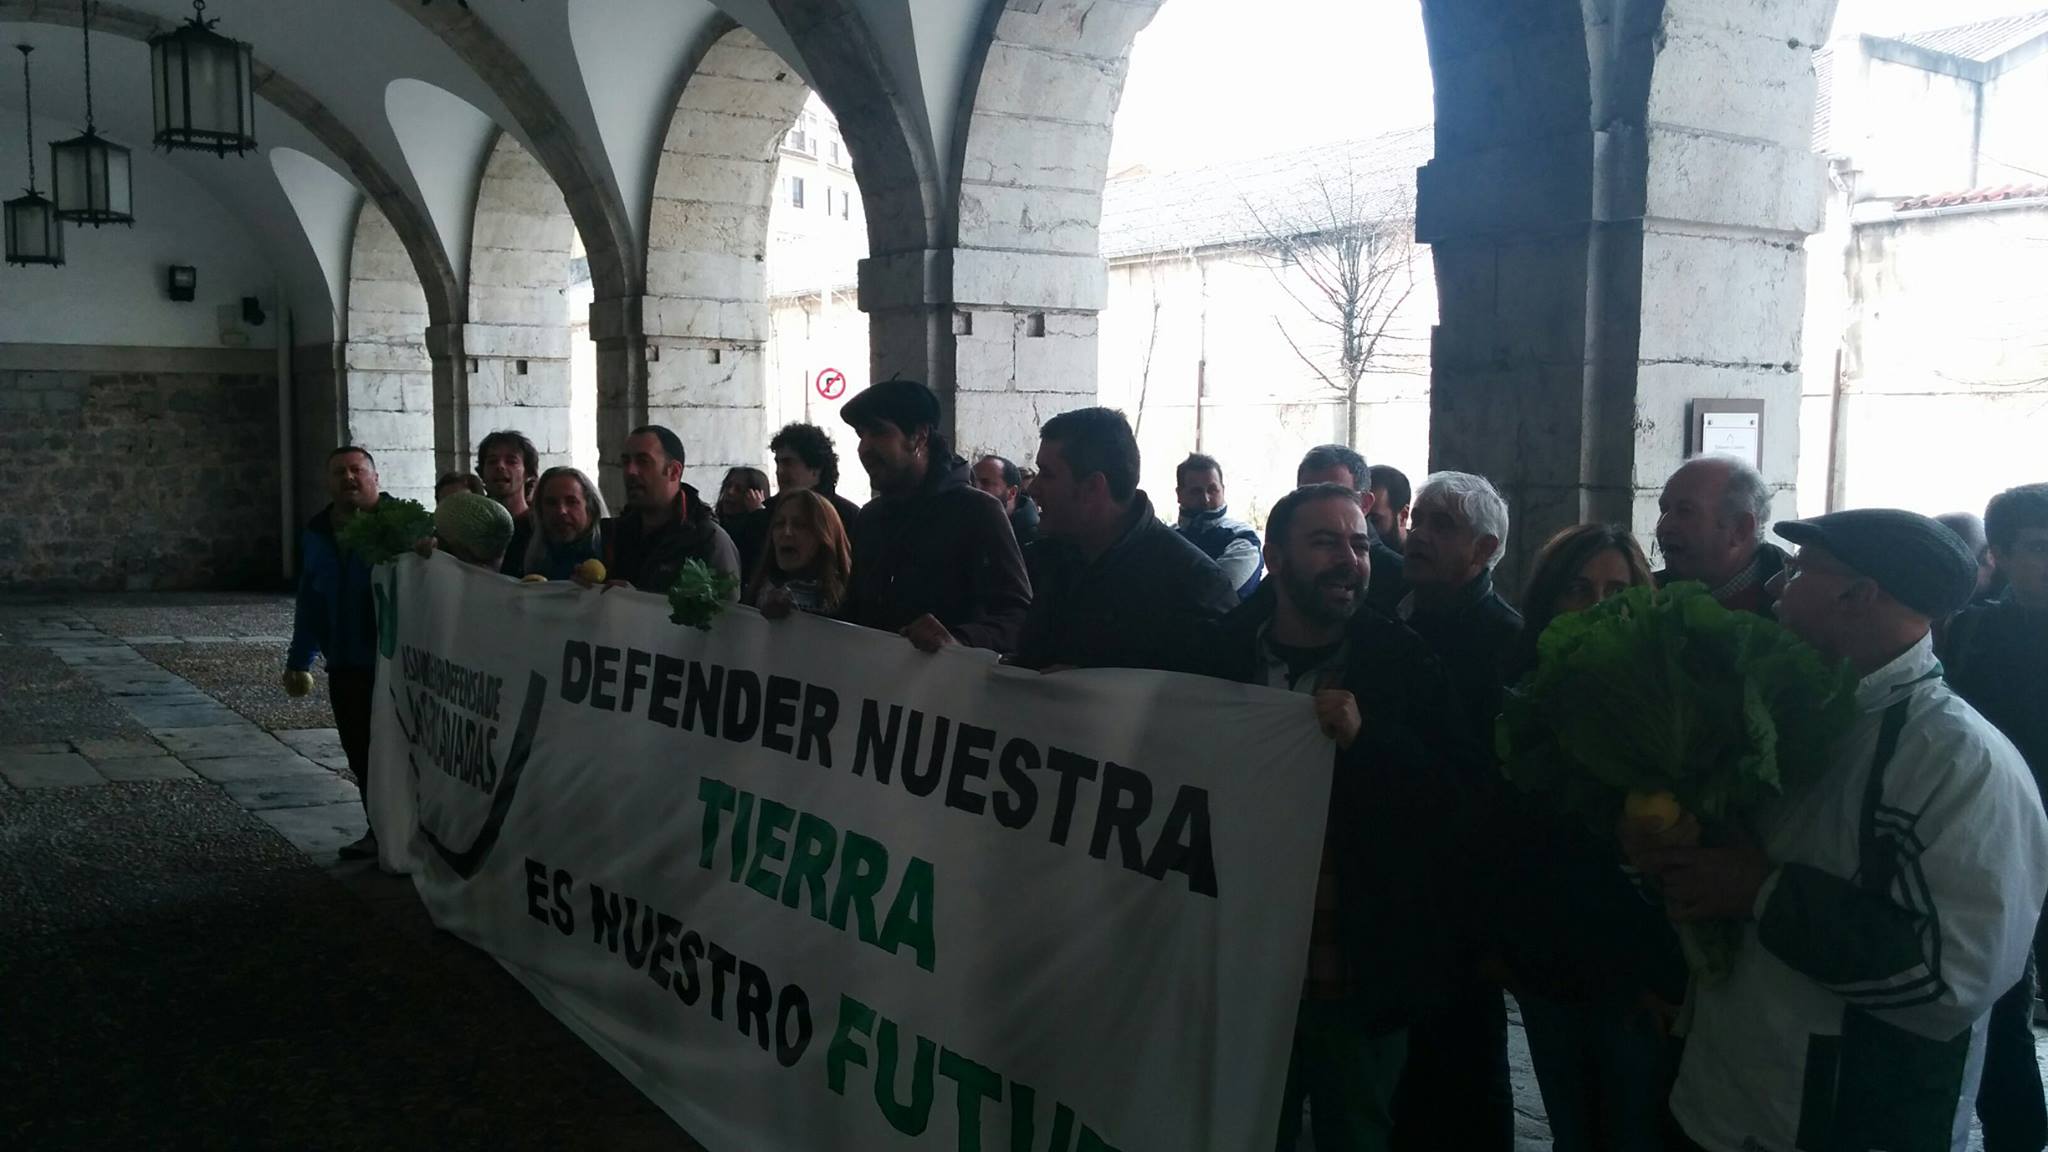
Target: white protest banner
{"points": [[810, 888]]}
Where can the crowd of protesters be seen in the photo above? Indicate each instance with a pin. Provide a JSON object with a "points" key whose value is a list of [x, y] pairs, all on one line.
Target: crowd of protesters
{"points": [[1889, 908]]}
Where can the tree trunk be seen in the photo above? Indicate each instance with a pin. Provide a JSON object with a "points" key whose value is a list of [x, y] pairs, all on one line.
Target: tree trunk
{"points": [[1351, 414]]}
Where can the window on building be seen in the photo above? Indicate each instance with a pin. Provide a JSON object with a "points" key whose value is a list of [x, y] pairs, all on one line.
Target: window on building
{"points": [[835, 151], [795, 139], [796, 191], [845, 205]]}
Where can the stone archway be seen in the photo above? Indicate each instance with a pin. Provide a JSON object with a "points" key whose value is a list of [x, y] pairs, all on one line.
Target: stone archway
{"points": [[517, 337], [706, 311], [388, 378]]}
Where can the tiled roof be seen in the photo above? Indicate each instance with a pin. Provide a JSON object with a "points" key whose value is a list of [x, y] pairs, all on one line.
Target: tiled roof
{"points": [[1974, 196], [1221, 204], [1983, 41]]}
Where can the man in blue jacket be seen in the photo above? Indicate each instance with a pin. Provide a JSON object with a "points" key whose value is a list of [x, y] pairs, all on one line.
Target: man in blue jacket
{"points": [[335, 618]]}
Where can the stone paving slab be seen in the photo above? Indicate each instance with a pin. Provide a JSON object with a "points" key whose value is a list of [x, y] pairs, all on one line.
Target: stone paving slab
{"points": [[100, 751], [301, 790], [238, 739], [319, 832], [225, 769], [160, 717], [48, 770], [40, 749], [312, 743], [139, 768]]}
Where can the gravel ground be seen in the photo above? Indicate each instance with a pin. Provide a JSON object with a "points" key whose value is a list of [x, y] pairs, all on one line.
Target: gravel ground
{"points": [[43, 701], [245, 678], [187, 614]]}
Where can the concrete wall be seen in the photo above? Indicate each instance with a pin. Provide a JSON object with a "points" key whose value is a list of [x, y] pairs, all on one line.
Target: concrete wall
{"points": [[517, 337], [389, 403], [1221, 321], [2013, 147], [1945, 367], [1912, 132], [139, 468]]}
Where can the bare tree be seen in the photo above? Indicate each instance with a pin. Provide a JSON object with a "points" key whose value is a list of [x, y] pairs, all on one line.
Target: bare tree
{"points": [[1343, 248]]}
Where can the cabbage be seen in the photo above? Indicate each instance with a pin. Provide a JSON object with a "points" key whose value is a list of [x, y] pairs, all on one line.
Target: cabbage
{"points": [[700, 594], [1665, 690], [387, 531]]}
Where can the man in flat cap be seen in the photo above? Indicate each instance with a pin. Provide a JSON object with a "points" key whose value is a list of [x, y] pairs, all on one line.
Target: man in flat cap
{"points": [[933, 556], [1886, 905]]}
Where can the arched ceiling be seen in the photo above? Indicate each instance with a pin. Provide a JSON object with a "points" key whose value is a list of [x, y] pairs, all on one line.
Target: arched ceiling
{"points": [[399, 109]]}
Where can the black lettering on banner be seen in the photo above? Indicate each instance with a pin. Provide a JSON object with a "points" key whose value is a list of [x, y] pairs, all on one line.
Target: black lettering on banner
{"points": [[668, 685], [639, 933], [607, 674], [742, 712], [926, 782], [576, 671], [913, 739], [636, 676], [1017, 800], [1183, 844], [793, 1006], [687, 986], [1072, 770], [665, 929], [700, 698], [970, 762], [1125, 802], [752, 1004], [779, 717], [565, 913], [821, 711], [604, 918], [723, 964], [536, 888], [875, 743]]}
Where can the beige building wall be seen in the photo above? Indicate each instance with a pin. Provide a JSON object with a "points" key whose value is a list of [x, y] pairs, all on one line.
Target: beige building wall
{"points": [[1219, 323]]}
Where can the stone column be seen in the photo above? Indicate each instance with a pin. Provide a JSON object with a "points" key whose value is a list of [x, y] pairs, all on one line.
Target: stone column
{"points": [[453, 450], [621, 339]]}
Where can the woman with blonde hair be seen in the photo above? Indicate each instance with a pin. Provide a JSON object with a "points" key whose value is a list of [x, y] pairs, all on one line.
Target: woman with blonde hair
{"points": [[806, 563], [567, 510]]}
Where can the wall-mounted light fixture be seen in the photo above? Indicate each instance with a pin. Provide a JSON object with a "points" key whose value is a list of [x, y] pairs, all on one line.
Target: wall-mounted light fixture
{"points": [[34, 235], [184, 282], [89, 175], [204, 88]]}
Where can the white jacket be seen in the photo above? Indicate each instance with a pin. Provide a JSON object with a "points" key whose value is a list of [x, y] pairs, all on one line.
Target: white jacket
{"points": [[1902, 905]]}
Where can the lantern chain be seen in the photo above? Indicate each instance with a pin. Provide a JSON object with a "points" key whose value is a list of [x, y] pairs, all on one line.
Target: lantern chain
{"points": [[28, 105]]}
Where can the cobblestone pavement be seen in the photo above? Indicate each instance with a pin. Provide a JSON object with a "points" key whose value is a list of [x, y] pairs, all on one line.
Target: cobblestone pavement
{"points": [[184, 954]]}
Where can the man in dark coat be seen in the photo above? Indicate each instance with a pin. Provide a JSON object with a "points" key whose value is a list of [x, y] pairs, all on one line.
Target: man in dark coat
{"points": [[665, 525], [1996, 657], [1337, 464], [933, 558], [1711, 519], [1116, 587], [1206, 522], [1001, 478], [1455, 1093], [1392, 840]]}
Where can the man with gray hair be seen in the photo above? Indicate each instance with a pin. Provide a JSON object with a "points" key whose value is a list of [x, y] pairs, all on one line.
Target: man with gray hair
{"points": [[1455, 1091], [1710, 528]]}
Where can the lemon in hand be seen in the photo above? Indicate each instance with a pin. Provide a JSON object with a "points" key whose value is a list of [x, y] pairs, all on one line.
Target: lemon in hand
{"points": [[591, 571], [1654, 811], [298, 684]]}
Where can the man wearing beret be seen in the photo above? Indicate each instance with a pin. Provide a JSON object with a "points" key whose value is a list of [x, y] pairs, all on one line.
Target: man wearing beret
{"points": [[934, 558], [1886, 905]]}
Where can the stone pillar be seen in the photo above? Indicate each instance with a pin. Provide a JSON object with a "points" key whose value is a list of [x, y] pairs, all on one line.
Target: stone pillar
{"points": [[452, 444], [621, 339], [1615, 211], [1007, 339], [518, 330], [388, 378]]}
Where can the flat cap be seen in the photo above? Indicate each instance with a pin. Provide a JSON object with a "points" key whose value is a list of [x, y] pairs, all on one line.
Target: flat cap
{"points": [[905, 403], [1920, 563]]}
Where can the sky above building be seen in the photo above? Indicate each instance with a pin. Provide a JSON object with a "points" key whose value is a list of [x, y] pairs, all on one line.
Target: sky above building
{"points": [[1207, 85]]}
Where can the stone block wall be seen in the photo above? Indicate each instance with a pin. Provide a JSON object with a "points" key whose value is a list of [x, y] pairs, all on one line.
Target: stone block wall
{"points": [[139, 469], [390, 390], [517, 338]]}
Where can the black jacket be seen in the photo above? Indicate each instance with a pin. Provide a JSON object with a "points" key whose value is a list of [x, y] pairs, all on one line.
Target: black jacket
{"points": [[1474, 635], [651, 561], [1388, 584], [1024, 520], [1997, 659], [1135, 607], [1397, 801], [945, 549], [514, 564]]}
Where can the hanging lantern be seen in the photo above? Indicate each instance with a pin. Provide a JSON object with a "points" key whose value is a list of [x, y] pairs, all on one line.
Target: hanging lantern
{"points": [[89, 176], [34, 235], [205, 100]]}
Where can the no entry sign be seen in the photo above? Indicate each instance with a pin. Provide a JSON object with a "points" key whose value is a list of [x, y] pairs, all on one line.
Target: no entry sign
{"points": [[831, 384]]}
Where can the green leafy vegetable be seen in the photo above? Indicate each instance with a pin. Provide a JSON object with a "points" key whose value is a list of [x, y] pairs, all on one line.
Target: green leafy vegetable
{"points": [[1667, 691], [387, 531], [700, 594]]}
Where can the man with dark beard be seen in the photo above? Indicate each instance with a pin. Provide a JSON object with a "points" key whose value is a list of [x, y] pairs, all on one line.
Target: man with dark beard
{"points": [[1376, 945]]}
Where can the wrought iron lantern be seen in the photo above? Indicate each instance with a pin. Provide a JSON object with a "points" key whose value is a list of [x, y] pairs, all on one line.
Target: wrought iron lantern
{"points": [[204, 90], [89, 175], [34, 235]]}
